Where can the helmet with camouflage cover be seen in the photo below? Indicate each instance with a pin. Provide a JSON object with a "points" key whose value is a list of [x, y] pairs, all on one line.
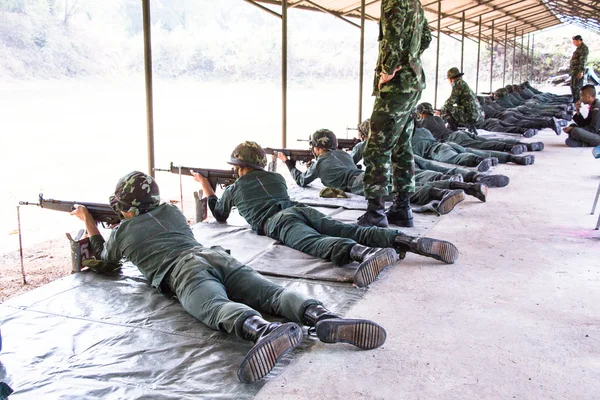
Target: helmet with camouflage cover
{"points": [[425, 108], [500, 93], [364, 128], [135, 192], [249, 155], [509, 88], [324, 139]]}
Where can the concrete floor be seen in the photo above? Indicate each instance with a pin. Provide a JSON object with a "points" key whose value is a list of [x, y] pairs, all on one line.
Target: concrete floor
{"points": [[517, 317]]}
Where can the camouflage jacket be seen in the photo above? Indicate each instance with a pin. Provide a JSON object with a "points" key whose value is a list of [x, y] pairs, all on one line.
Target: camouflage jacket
{"points": [[578, 60], [403, 36], [463, 105]]}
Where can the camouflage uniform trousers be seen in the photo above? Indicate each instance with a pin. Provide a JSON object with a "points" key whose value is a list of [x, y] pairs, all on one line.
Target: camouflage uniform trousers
{"points": [[222, 292], [389, 150], [312, 232], [576, 85], [467, 139]]}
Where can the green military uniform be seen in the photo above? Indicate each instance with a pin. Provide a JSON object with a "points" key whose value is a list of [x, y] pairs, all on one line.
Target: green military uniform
{"points": [[262, 200], [211, 285], [462, 107], [576, 67], [403, 36]]}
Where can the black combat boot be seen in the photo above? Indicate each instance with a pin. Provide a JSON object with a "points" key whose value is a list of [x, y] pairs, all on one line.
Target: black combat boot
{"points": [[330, 328], [372, 261], [490, 180], [535, 146], [428, 247], [478, 190], [530, 133], [400, 213], [555, 126], [272, 340], [484, 164], [522, 160], [375, 215], [516, 149], [447, 199]]}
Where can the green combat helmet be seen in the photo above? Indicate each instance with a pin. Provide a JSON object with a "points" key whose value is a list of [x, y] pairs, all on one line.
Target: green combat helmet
{"points": [[324, 139], [364, 128], [500, 93], [454, 73], [425, 108], [249, 155], [135, 192]]}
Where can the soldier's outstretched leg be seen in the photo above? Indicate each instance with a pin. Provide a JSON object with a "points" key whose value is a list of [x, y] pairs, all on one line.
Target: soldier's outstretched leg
{"points": [[488, 180], [331, 328], [478, 190], [372, 262], [428, 247], [272, 340]]}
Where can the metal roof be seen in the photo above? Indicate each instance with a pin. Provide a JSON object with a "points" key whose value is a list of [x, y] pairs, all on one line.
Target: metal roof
{"points": [[499, 19]]}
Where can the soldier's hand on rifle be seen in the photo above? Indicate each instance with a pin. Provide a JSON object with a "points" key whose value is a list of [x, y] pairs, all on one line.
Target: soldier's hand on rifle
{"points": [[83, 214], [206, 188], [281, 156]]}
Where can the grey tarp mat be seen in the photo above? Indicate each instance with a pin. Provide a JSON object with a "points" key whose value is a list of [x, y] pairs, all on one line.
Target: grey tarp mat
{"points": [[88, 336]]}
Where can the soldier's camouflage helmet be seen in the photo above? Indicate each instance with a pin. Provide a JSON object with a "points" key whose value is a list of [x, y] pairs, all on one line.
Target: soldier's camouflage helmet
{"points": [[135, 192], [364, 128], [425, 108], [454, 73], [324, 139], [249, 155], [509, 88], [500, 93]]}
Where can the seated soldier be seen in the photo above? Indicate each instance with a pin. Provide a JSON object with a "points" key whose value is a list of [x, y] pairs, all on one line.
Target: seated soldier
{"points": [[462, 107], [337, 169], [585, 131], [211, 285], [262, 199], [438, 129], [425, 145]]}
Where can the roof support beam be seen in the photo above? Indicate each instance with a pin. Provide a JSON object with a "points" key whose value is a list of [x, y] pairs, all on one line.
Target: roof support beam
{"points": [[147, 26]]}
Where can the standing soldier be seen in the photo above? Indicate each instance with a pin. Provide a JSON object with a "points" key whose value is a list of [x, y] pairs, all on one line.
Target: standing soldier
{"points": [[462, 107], [578, 61], [399, 80]]}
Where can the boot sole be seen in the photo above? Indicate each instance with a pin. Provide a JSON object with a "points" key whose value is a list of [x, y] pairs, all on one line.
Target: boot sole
{"points": [[495, 180], [261, 359], [450, 200], [439, 249], [370, 269], [537, 146], [484, 165], [364, 334]]}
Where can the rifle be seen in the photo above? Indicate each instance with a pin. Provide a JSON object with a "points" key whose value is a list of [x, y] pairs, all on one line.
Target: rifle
{"points": [[304, 156], [221, 177], [343, 144], [102, 213]]}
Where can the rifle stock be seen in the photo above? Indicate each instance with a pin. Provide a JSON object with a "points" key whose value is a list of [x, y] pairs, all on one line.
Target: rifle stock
{"points": [[102, 213], [221, 177]]}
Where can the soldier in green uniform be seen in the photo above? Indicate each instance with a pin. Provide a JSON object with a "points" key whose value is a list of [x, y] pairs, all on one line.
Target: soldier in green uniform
{"points": [[577, 66], [262, 199], [462, 107], [467, 139], [211, 285], [585, 131], [337, 169], [399, 80]]}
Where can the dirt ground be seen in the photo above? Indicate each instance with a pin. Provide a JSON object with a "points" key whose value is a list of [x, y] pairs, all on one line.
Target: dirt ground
{"points": [[47, 261]]}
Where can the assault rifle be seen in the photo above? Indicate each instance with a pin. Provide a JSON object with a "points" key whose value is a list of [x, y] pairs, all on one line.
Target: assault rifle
{"points": [[304, 156], [221, 177], [343, 144], [102, 213]]}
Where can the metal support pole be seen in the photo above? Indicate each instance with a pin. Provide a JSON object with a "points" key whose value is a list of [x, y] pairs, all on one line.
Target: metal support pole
{"points": [[492, 58], [21, 245], [148, 73], [514, 54], [528, 59], [532, 55], [505, 54], [462, 44], [437, 54], [362, 59], [284, 59], [478, 56], [521, 58]]}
